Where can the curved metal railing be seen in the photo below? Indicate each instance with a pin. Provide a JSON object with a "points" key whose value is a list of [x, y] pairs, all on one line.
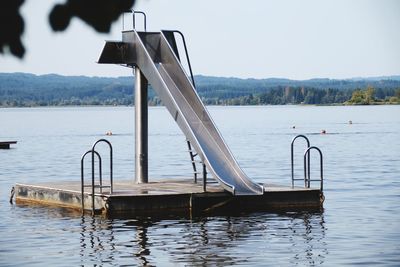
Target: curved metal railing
{"points": [[307, 160], [307, 176], [292, 157], [93, 185], [134, 19], [186, 53]]}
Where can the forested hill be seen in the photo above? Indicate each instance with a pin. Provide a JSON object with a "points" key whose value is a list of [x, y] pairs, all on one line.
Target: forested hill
{"points": [[23, 89]]}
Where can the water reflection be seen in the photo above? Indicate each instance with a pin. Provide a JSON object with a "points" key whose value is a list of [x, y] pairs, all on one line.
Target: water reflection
{"points": [[298, 238], [307, 238], [97, 241], [141, 242]]}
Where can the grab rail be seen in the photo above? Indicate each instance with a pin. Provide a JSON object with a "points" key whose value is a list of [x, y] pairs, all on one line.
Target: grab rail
{"points": [[308, 178], [93, 152], [83, 179], [187, 55], [292, 157], [111, 160], [134, 19], [186, 52]]}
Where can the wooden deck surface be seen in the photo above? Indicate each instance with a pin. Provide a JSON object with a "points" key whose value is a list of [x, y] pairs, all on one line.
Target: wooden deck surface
{"points": [[159, 187], [166, 197]]}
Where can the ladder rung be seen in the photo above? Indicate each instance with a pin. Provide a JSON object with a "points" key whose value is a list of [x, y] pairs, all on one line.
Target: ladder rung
{"points": [[97, 186], [208, 181]]}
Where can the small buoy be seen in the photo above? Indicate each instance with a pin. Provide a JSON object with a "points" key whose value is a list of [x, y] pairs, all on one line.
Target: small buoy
{"points": [[323, 131], [109, 133], [350, 122]]}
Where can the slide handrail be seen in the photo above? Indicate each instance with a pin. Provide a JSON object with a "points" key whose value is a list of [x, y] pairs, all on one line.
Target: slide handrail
{"points": [[134, 19], [186, 53]]}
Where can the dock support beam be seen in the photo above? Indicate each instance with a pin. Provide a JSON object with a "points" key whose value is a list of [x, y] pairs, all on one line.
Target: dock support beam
{"points": [[141, 128]]}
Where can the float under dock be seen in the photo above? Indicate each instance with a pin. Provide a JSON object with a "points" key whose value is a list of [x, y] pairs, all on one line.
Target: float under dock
{"points": [[168, 197]]}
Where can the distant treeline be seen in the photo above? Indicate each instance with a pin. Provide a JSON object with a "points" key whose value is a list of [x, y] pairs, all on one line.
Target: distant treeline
{"points": [[304, 95], [22, 90]]}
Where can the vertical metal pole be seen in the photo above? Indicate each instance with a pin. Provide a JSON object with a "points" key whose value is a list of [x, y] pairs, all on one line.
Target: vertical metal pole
{"points": [[292, 162], [308, 165], [133, 19], [82, 184], [93, 177], [322, 170], [204, 178], [111, 169], [100, 173], [141, 128], [305, 167]]}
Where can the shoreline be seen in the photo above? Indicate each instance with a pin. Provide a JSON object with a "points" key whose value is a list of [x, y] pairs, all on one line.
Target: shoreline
{"points": [[268, 105]]}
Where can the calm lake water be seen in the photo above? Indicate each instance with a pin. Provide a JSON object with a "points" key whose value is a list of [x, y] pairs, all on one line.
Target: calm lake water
{"points": [[360, 223]]}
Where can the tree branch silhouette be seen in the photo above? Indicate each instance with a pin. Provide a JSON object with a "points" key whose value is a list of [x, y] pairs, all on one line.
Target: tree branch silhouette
{"points": [[99, 14], [11, 27]]}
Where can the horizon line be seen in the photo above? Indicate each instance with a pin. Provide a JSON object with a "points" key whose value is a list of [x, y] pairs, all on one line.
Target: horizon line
{"points": [[379, 77]]}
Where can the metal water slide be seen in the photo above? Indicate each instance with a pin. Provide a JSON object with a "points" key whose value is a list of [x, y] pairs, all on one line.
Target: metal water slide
{"points": [[157, 59]]}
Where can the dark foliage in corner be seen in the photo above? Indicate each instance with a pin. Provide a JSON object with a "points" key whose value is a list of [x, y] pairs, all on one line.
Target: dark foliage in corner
{"points": [[11, 27], [97, 13]]}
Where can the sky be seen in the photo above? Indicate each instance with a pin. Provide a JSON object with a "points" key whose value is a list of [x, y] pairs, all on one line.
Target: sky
{"points": [[295, 39]]}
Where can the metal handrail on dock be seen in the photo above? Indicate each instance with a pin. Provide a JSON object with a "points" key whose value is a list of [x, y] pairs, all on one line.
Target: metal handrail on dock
{"points": [[111, 160], [321, 165], [93, 185], [307, 161], [83, 178], [292, 157]]}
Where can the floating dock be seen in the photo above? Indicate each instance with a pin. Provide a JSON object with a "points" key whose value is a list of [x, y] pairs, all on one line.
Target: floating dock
{"points": [[168, 198], [6, 144], [155, 58]]}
